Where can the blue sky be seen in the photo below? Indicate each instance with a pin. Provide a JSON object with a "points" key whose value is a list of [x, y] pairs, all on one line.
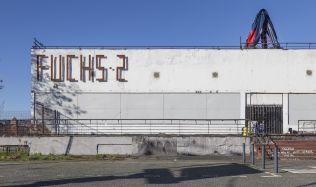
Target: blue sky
{"points": [[133, 22]]}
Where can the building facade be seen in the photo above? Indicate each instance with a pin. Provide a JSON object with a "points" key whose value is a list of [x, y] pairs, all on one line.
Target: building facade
{"points": [[275, 86]]}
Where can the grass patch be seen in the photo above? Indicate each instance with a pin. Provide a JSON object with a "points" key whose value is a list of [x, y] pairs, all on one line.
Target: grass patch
{"points": [[110, 157], [23, 156]]}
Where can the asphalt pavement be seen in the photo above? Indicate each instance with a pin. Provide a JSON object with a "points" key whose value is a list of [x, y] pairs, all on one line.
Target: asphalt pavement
{"points": [[157, 171]]}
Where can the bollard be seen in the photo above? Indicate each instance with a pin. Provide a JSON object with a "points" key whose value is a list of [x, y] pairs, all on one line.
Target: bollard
{"points": [[263, 156], [252, 153], [276, 160], [244, 153]]}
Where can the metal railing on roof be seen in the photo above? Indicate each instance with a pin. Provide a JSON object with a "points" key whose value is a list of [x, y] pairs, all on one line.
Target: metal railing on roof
{"points": [[287, 45], [142, 126]]}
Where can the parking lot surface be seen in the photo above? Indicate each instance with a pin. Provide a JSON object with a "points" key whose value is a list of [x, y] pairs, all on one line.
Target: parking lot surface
{"points": [[153, 171]]}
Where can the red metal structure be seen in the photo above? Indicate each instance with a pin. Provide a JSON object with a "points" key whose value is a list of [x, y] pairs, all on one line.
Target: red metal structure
{"points": [[262, 29]]}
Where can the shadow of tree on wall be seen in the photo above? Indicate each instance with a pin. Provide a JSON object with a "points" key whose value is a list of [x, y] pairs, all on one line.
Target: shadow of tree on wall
{"points": [[161, 175], [53, 95]]}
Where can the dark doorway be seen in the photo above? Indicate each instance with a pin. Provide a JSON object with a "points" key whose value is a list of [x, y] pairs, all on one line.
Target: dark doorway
{"points": [[271, 115]]}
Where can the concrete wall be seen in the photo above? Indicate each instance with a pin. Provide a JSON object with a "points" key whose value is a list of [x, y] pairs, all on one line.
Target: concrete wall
{"points": [[301, 107], [144, 106], [130, 145]]}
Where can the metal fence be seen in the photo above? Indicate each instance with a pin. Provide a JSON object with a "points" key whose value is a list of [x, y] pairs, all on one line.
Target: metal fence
{"points": [[256, 128], [306, 126], [265, 118], [56, 127], [140, 126], [62, 126], [15, 127]]}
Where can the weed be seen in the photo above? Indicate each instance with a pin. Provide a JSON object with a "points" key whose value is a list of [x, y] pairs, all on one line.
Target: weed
{"points": [[24, 156]]}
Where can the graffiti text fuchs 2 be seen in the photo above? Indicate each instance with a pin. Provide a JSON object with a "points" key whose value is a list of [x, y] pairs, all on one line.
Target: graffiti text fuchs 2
{"points": [[61, 67]]}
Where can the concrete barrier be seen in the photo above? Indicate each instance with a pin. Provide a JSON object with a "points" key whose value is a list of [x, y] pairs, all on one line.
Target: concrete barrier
{"points": [[131, 145]]}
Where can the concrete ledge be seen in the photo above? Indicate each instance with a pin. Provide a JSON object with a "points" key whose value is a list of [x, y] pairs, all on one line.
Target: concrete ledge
{"points": [[131, 145]]}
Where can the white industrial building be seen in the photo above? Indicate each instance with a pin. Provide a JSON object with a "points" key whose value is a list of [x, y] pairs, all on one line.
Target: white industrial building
{"points": [[193, 87]]}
